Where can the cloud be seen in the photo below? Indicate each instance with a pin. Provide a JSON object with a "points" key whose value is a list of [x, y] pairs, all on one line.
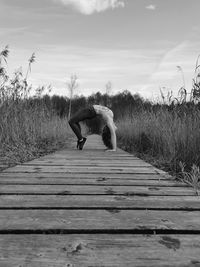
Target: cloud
{"points": [[151, 7], [89, 7], [166, 76], [8, 31]]}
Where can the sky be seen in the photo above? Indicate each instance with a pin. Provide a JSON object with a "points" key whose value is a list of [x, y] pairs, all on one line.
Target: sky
{"points": [[135, 45]]}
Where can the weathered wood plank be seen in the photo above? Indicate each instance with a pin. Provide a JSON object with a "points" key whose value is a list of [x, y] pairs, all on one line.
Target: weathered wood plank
{"points": [[104, 201], [82, 169], [100, 154], [129, 176], [99, 250], [96, 181], [87, 164], [83, 160], [89, 154], [99, 220], [96, 190], [76, 157]]}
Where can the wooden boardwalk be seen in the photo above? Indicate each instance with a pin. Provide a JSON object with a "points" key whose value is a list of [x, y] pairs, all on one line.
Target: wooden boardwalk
{"points": [[96, 209]]}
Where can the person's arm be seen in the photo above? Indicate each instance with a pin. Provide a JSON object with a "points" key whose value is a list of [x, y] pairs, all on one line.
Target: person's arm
{"points": [[112, 128]]}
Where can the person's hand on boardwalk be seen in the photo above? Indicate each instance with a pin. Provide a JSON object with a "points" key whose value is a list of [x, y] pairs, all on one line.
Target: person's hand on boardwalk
{"points": [[110, 150]]}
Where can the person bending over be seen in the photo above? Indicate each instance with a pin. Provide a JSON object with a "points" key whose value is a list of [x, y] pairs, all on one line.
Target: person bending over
{"points": [[90, 113]]}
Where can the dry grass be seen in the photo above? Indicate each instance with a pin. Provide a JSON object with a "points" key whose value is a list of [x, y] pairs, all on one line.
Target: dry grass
{"points": [[168, 137], [192, 178], [164, 138], [29, 131], [28, 128]]}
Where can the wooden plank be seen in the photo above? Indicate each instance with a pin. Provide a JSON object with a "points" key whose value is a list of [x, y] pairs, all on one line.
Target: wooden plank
{"points": [[87, 164], [49, 158], [91, 159], [82, 169], [76, 157], [99, 250], [97, 220], [82, 155], [105, 160], [104, 201], [128, 176], [95, 190], [40, 180]]}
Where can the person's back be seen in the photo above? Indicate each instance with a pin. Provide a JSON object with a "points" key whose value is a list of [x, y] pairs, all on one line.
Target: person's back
{"points": [[102, 110]]}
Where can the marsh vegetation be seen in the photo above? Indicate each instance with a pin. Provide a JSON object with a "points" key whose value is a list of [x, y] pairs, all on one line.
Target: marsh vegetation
{"points": [[167, 134]]}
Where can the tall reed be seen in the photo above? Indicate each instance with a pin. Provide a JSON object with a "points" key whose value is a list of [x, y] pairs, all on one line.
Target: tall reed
{"points": [[27, 126], [27, 130], [165, 137]]}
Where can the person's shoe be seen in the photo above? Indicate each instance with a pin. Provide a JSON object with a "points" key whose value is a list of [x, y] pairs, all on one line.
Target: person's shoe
{"points": [[81, 143]]}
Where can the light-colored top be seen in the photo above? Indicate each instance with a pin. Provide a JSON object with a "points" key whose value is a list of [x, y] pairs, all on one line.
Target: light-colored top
{"points": [[104, 111], [107, 116]]}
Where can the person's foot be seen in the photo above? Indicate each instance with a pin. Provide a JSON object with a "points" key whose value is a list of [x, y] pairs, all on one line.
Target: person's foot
{"points": [[80, 143]]}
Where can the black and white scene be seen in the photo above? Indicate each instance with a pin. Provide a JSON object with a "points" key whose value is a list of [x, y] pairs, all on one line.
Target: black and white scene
{"points": [[99, 133]]}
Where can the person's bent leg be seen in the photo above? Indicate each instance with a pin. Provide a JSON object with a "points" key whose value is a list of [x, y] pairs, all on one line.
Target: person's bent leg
{"points": [[87, 113], [76, 128]]}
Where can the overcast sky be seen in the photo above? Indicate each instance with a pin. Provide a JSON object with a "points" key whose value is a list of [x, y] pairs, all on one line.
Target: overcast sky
{"points": [[134, 44]]}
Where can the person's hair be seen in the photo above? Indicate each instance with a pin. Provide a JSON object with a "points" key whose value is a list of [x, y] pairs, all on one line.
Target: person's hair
{"points": [[106, 137]]}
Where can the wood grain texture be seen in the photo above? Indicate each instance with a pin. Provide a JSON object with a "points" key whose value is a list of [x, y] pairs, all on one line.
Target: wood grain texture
{"points": [[185, 203], [82, 169], [95, 220], [101, 180], [88, 162], [72, 208], [99, 250], [86, 189], [129, 176]]}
